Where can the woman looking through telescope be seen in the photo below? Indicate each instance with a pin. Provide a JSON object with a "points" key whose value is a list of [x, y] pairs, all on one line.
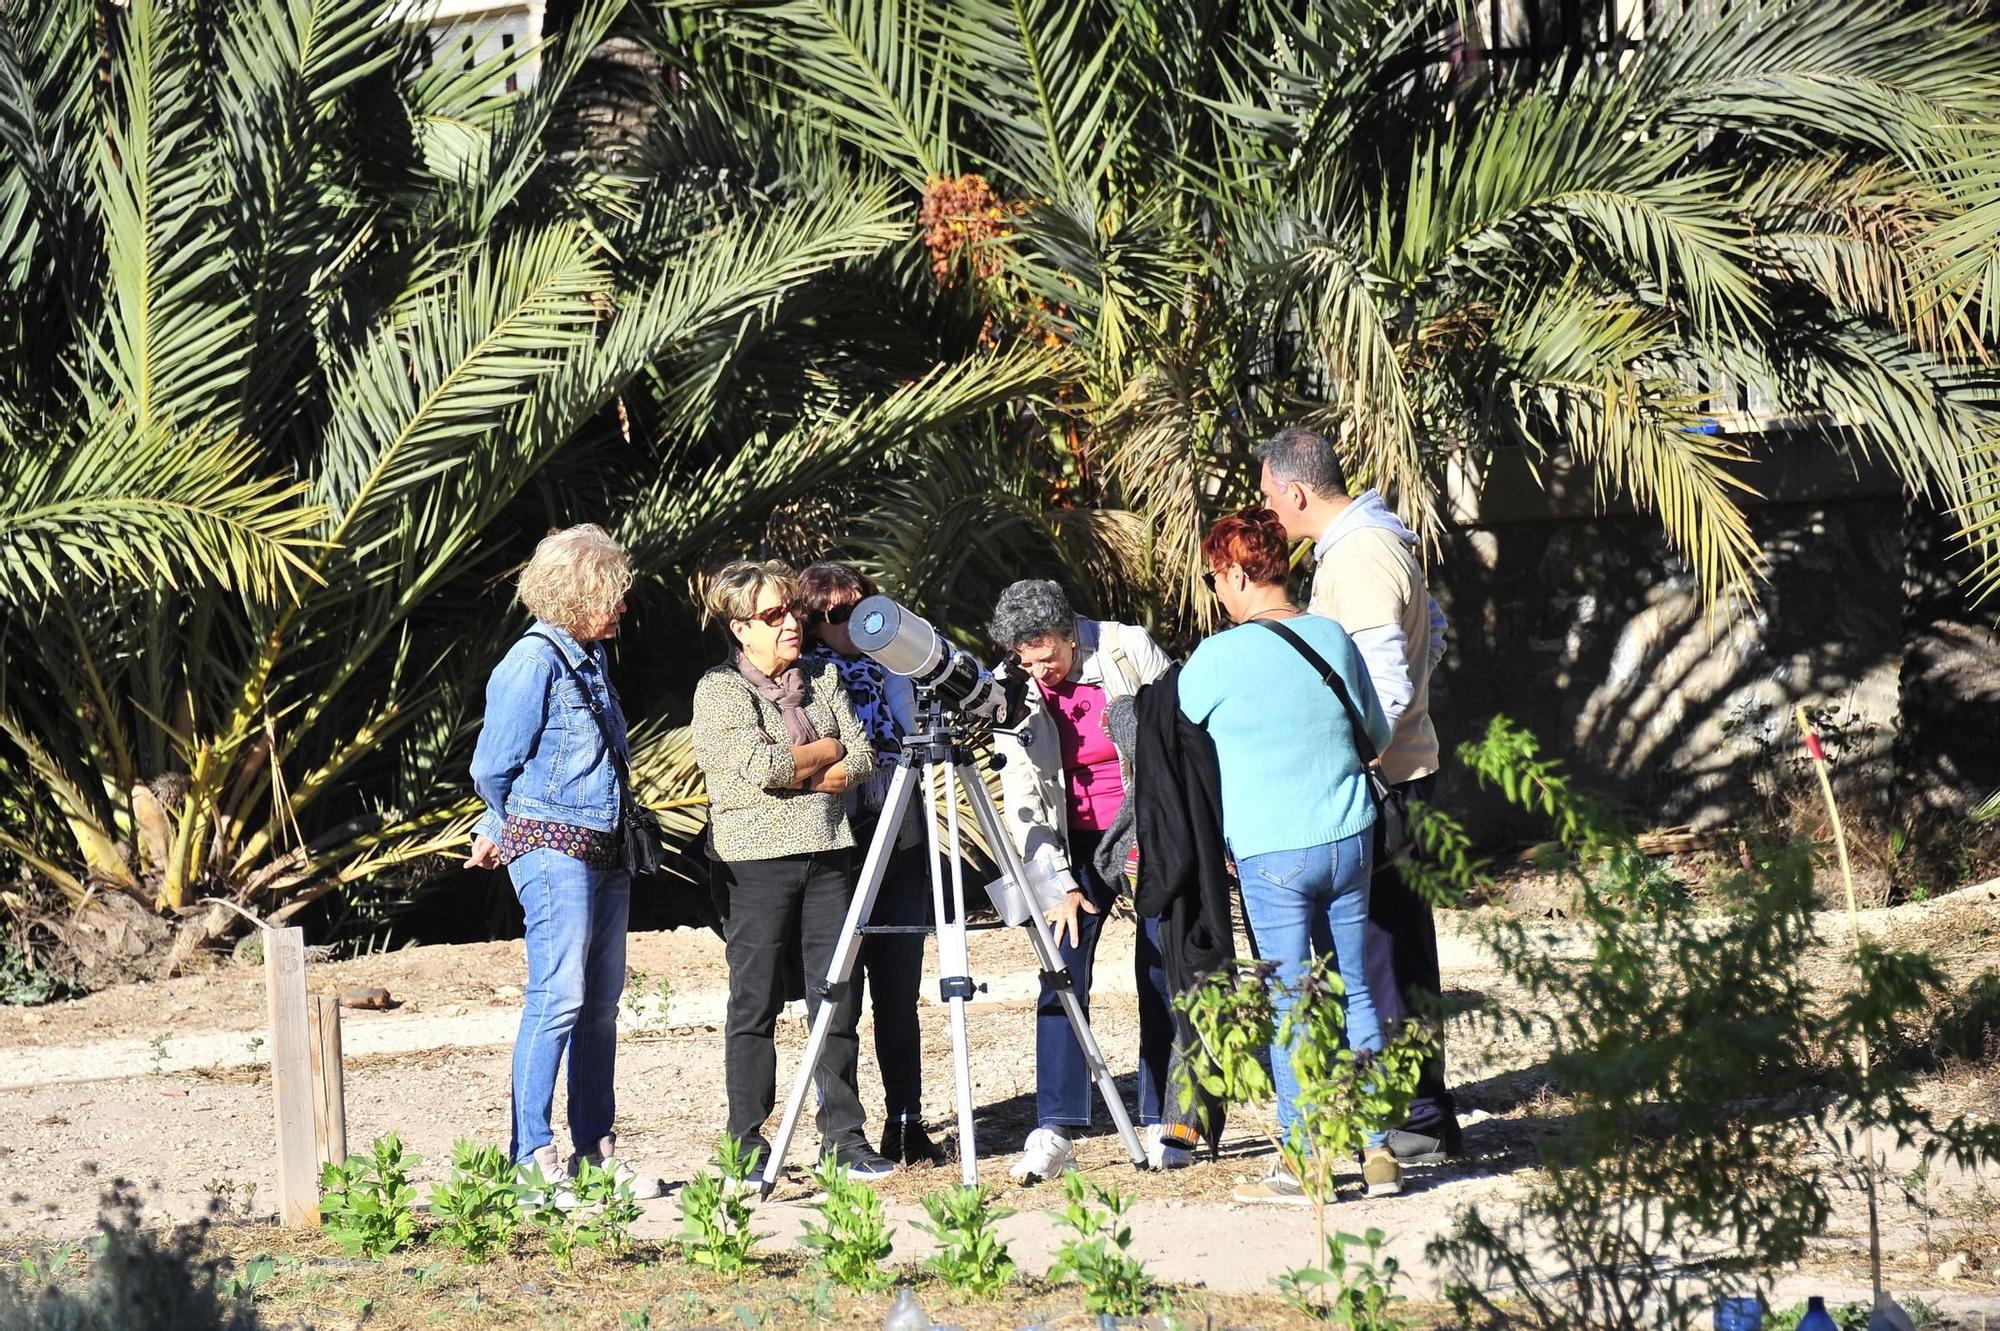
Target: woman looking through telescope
{"points": [[1061, 784], [779, 745], [886, 703]]}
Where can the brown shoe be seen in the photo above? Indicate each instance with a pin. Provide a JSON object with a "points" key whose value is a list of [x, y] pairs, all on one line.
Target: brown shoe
{"points": [[1381, 1172]]}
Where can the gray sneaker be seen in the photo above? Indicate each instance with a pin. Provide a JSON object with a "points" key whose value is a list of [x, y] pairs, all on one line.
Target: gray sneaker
{"points": [[1277, 1188], [541, 1182], [645, 1187]]}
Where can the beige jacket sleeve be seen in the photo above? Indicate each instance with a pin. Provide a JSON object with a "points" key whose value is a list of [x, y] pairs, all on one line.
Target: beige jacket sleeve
{"points": [[1031, 786]]}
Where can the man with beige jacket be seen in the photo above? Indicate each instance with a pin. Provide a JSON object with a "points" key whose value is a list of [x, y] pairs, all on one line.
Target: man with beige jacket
{"points": [[1367, 578]]}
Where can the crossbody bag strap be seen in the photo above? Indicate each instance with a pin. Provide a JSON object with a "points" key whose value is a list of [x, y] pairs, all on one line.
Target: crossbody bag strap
{"points": [[597, 713], [1331, 678]]}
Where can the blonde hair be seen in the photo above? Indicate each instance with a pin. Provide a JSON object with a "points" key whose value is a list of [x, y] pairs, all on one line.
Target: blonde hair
{"points": [[735, 590], [574, 576]]}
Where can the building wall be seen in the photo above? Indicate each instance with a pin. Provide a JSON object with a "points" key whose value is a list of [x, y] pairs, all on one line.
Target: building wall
{"points": [[1591, 632]]}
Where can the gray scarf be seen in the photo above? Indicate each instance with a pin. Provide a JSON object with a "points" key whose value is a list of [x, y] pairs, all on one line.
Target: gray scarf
{"points": [[788, 691]]}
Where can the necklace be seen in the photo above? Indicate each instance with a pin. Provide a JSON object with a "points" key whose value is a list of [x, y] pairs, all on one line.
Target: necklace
{"points": [[1285, 610]]}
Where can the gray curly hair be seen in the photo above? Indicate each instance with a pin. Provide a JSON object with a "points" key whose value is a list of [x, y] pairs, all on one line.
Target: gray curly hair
{"points": [[1030, 610]]}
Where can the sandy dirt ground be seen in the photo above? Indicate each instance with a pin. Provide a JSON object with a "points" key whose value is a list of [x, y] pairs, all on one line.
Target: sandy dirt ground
{"points": [[166, 1084]]}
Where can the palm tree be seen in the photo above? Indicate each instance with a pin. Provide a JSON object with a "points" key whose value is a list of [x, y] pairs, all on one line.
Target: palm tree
{"points": [[309, 332], [1237, 213]]}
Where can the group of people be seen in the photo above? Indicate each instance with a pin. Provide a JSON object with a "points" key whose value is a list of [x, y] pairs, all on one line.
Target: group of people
{"points": [[1243, 773]]}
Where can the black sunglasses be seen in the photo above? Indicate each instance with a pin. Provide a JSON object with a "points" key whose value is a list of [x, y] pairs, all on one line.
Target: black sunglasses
{"points": [[1208, 580], [838, 614]]}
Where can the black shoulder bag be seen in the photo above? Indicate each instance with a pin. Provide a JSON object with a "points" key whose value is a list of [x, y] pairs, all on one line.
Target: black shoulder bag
{"points": [[1392, 832], [639, 825]]}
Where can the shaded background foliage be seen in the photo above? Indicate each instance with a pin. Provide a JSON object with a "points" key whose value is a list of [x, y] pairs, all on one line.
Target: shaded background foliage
{"points": [[309, 332]]}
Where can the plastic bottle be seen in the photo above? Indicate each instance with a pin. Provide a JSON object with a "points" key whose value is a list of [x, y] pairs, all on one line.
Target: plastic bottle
{"points": [[1817, 1318], [1740, 1313], [906, 1314]]}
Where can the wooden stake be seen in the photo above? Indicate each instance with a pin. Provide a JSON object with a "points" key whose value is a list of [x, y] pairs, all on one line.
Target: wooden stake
{"points": [[1818, 756], [329, 1080], [291, 1076]]}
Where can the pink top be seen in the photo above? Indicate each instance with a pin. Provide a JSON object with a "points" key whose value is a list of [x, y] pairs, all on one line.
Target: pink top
{"points": [[1090, 760]]}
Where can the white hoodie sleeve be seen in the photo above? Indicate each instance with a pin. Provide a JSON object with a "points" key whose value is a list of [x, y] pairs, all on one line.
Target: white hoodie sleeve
{"points": [[1440, 635], [1382, 651]]}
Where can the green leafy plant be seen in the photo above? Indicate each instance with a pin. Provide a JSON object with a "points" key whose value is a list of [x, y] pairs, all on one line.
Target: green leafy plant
{"points": [[971, 1257], [1342, 1096], [1702, 1074], [23, 981], [1350, 1290], [592, 1211], [605, 1208], [243, 1284], [478, 1206], [1099, 1257], [715, 1219], [365, 1202], [852, 1238]]}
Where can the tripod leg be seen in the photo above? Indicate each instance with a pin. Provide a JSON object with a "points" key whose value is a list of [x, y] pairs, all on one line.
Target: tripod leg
{"points": [[954, 975], [1052, 963], [840, 968]]}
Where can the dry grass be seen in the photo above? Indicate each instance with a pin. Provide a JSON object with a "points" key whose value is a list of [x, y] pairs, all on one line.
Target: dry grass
{"points": [[650, 1286]]}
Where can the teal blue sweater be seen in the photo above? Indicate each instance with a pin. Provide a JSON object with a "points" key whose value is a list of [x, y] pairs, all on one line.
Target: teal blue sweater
{"points": [[1291, 777]]}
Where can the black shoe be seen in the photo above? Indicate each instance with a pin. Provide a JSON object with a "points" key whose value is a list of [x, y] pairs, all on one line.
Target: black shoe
{"points": [[860, 1161], [1424, 1148], [905, 1142]]}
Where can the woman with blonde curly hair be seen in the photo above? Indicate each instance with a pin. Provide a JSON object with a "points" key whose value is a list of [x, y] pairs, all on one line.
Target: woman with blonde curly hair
{"points": [[779, 745], [550, 767]]}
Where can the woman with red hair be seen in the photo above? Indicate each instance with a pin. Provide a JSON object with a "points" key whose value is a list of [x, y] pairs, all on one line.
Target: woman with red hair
{"points": [[1296, 812]]}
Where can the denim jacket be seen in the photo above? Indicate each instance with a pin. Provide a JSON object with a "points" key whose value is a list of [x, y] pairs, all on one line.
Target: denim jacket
{"points": [[540, 752]]}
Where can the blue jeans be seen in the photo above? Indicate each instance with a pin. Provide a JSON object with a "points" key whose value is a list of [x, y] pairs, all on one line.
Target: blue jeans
{"points": [[1063, 1087], [576, 972], [1306, 903]]}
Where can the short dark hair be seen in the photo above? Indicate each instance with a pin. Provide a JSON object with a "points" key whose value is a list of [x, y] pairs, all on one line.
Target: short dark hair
{"points": [[819, 583], [1252, 539], [1306, 456]]}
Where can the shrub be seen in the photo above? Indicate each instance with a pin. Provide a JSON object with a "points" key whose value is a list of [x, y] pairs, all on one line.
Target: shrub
{"points": [[971, 1258], [1098, 1258], [593, 1210], [478, 1207], [1701, 1070], [140, 1280], [715, 1220], [1350, 1291], [852, 1238], [365, 1204]]}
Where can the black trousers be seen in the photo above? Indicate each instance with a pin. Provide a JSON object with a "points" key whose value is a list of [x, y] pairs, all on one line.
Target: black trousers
{"points": [[894, 966], [779, 908], [1404, 977]]}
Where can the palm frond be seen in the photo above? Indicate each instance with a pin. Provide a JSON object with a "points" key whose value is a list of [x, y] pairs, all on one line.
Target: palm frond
{"points": [[185, 509], [1046, 78], [1579, 385], [424, 393], [176, 349], [879, 72], [681, 514]]}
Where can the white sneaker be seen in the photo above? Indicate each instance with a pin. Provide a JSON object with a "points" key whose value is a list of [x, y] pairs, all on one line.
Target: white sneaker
{"points": [[1162, 1153], [1046, 1154], [644, 1187]]}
